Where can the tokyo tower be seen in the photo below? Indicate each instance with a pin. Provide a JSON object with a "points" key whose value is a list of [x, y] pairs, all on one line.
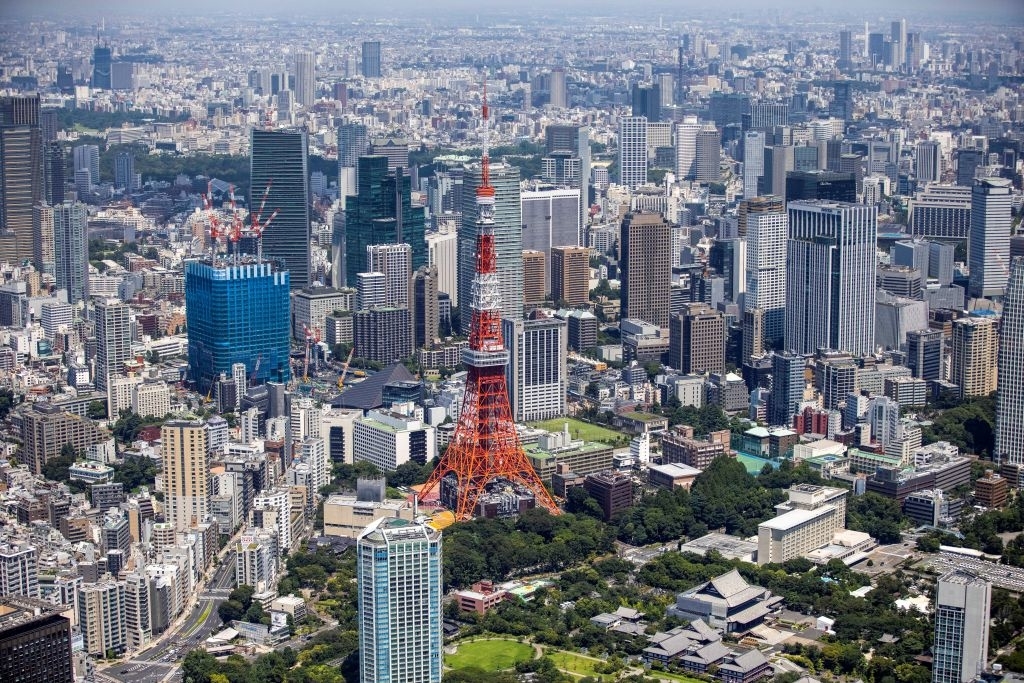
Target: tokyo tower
{"points": [[484, 454]]}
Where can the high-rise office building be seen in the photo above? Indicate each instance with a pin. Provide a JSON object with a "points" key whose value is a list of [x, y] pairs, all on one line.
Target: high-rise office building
{"points": [[426, 314], [371, 67], [975, 346], [830, 277], [186, 472], [753, 333], [35, 642], [113, 339], [305, 77], [839, 187], [898, 40], [570, 275], [778, 162], [967, 163], [766, 115], [558, 93], [646, 269], [787, 390], [697, 340], [708, 159], [632, 151], [941, 211], [87, 158], [924, 353], [101, 61], [507, 238], [753, 161], [536, 373], [766, 228], [394, 261], [988, 246], [42, 236], [535, 277], [842, 101], [686, 147], [237, 314], [55, 173], [1010, 399], [353, 142], [21, 175], [928, 161], [382, 334], [71, 250], [279, 159], [399, 580], [647, 101], [101, 617], [845, 60], [124, 172], [382, 213], [960, 649], [567, 164], [551, 218]]}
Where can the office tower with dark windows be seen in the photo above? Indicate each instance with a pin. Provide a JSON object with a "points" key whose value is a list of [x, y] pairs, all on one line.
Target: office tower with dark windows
{"points": [[280, 161], [237, 314], [55, 173], [647, 101], [967, 163], [71, 250], [305, 78], [645, 267], [21, 175], [708, 155], [988, 245], [830, 277], [924, 353], [101, 61], [898, 40], [35, 641], [842, 101], [382, 213], [778, 162], [941, 212], [632, 151], [508, 243], [426, 314], [839, 187], [371, 67], [787, 390], [697, 340], [536, 374], [124, 172], [1009, 446], [845, 61], [398, 570], [962, 607]]}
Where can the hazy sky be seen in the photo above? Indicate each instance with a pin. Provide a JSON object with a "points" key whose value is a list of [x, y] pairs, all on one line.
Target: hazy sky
{"points": [[1012, 10]]}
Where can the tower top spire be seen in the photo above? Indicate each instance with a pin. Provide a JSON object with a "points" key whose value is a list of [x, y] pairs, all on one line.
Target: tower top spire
{"points": [[485, 189]]}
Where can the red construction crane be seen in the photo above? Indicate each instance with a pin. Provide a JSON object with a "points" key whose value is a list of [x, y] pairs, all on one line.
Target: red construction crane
{"points": [[211, 215]]}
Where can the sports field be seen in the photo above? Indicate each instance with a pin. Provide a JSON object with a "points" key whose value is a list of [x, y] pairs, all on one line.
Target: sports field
{"points": [[584, 430], [489, 655]]}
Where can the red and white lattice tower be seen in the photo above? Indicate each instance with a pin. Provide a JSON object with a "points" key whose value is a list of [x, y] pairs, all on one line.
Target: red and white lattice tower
{"points": [[484, 451]]}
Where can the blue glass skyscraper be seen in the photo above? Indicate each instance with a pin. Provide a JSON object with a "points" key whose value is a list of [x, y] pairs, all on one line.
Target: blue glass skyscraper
{"points": [[236, 314], [399, 573]]}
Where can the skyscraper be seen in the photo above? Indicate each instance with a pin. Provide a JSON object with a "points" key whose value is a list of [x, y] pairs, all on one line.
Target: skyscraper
{"points": [[1010, 399], [399, 579], [787, 387], [898, 38], [646, 269], [87, 157], [559, 96], [371, 59], [686, 148], [21, 175], [101, 68], [42, 237], [988, 246], [697, 340], [382, 213], [839, 187], [426, 314], [928, 161], [830, 277], [124, 171], [708, 155], [845, 50], [632, 151], [766, 225], [186, 472], [960, 649], [570, 275], [280, 160], [568, 164], [237, 314], [353, 142], [113, 339], [753, 161], [55, 173], [71, 250], [975, 354], [647, 101], [305, 77], [924, 353], [507, 239], [536, 373], [394, 261], [551, 217]]}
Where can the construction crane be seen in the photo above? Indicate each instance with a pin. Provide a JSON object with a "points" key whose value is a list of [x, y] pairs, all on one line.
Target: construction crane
{"points": [[258, 225], [305, 364], [211, 215], [344, 369], [255, 370]]}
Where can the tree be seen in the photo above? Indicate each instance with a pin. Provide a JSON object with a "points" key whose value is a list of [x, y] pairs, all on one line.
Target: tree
{"points": [[96, 410], [7, 401]]}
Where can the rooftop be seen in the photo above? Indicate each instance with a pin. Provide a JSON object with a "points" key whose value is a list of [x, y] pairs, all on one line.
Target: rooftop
{"points": [[795, 518]]}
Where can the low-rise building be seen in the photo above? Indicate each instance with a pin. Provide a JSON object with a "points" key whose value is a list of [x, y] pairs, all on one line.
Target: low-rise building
{"points": [[347, 516], [481, 597], [726, 602], [672, 476]]}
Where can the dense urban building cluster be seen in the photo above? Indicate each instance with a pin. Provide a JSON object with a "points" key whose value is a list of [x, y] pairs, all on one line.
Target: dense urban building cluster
{"points": [[276, 296]]}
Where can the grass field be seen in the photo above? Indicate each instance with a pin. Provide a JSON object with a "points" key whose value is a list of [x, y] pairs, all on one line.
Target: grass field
{"points": [[666, 676], [577, 665], [584, 430], [489, 655]]}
